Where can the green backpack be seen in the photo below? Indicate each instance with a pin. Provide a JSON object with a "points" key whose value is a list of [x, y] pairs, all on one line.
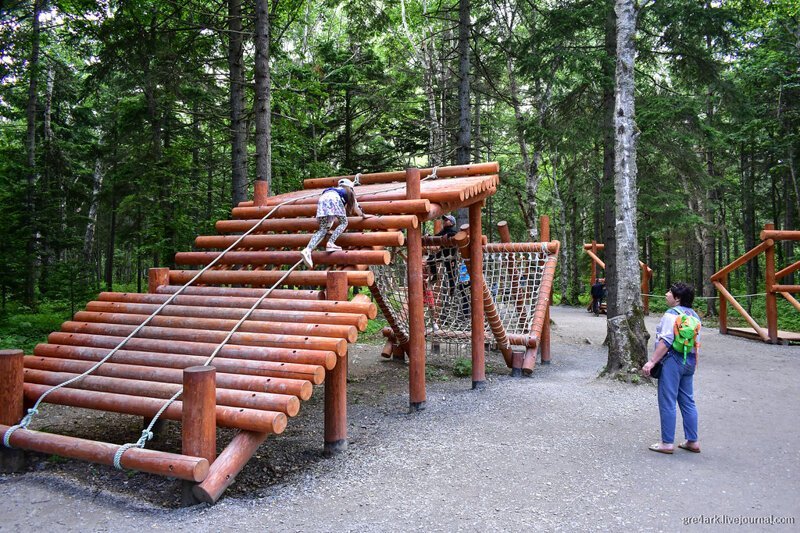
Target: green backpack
{"points": [[686, 330]]}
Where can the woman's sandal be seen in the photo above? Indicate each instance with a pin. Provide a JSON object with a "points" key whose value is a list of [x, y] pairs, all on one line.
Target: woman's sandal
{"points": [[685, 446], [658, 449]]}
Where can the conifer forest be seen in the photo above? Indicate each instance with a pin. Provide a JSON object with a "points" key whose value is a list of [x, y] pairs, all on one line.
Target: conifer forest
{"points": [[128, 127]]}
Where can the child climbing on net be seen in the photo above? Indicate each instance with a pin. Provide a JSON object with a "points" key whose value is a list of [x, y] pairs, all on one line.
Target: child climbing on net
{"points": [[335, 204]]}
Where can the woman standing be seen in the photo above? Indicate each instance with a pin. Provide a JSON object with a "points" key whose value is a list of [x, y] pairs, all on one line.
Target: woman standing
{"points": [[675, 384]]}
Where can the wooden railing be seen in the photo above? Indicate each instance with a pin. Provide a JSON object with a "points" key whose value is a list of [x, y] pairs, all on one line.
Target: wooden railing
{"points": [[720, 280]]}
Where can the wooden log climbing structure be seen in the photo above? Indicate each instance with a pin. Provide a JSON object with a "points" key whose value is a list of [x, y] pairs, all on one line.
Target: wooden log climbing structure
{"points": [[239, 337], [773, 288], [592, 250]]}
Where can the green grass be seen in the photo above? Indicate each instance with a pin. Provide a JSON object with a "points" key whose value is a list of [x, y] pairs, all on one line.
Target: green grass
{"points": [[21, 328]]}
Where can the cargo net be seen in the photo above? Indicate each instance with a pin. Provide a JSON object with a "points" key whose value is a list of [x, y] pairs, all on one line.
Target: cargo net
{"points": [[512, 279]]}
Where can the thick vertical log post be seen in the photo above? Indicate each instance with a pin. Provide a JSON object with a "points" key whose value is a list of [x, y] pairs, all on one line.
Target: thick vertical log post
{"points": [[544, 345], [772, 299], [260, 193], [593, 277], [416, 312], [505, 233], [544, 228], [11, 408], [157, 277], [198, 420], [336, 380], [723, 308], [476, 296]]}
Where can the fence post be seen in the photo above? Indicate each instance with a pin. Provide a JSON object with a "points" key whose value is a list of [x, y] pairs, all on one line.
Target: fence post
{"points": [[772, 302]]}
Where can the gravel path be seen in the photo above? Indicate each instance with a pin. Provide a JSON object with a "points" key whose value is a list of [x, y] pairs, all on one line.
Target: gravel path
{"points": [[560, 451]]}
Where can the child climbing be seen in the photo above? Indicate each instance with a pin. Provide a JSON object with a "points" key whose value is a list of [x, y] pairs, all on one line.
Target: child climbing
{"points": [[336, 203]]}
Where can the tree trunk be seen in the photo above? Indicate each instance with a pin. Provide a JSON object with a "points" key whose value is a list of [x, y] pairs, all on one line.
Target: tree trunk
{"points": [[425, 57], [112, 233], [348, 130], [238, 124], [29, 216], [263, 96], [565, 243], [667, 260], [91, 224], [749, 229], [464, 109], [627, 347], [606, 198]]}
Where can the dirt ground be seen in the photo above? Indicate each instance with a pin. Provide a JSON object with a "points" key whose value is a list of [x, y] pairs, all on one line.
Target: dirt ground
{"points": [[560, 451]]}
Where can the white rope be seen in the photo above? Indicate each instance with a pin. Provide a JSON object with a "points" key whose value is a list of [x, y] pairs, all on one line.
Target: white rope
{"points": [[357, 179], [712, 297]]}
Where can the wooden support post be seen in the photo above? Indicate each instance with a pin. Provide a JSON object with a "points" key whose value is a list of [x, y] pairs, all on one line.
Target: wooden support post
{"points": [[772, 299], [544, 345], [544, 228], [198, 420], [260, 193], [416, 311], [336, 380], [723, 308], [157, 277], [505, 233], [476, 296], [230, 462], [516, 364], [11, 406], [593, 277]]}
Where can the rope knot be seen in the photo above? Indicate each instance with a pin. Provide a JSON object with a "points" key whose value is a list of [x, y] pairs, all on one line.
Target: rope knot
{"points": [[357, 179]]}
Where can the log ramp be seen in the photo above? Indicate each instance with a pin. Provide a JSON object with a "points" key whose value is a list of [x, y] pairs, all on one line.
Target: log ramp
{"points": [[295, 339]]}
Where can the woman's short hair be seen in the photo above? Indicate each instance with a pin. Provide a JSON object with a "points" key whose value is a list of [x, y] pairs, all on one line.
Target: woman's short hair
{"points": [[683, 292]]}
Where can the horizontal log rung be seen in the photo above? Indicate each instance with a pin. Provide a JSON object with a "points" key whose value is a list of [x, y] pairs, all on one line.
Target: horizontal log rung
{"points": [[283, 403], [240, 418], [345, 257], [245, 381], [184, 467]]}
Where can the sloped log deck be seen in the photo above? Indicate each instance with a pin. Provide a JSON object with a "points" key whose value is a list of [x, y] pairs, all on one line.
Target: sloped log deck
{"points": [[295, 338]]}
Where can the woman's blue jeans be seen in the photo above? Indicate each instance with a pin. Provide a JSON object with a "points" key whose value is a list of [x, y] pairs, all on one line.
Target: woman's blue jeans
{"points": [[675, 385]]}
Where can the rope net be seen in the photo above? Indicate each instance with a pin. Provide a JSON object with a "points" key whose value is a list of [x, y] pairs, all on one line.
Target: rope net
{"points": [[512, 279]]}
